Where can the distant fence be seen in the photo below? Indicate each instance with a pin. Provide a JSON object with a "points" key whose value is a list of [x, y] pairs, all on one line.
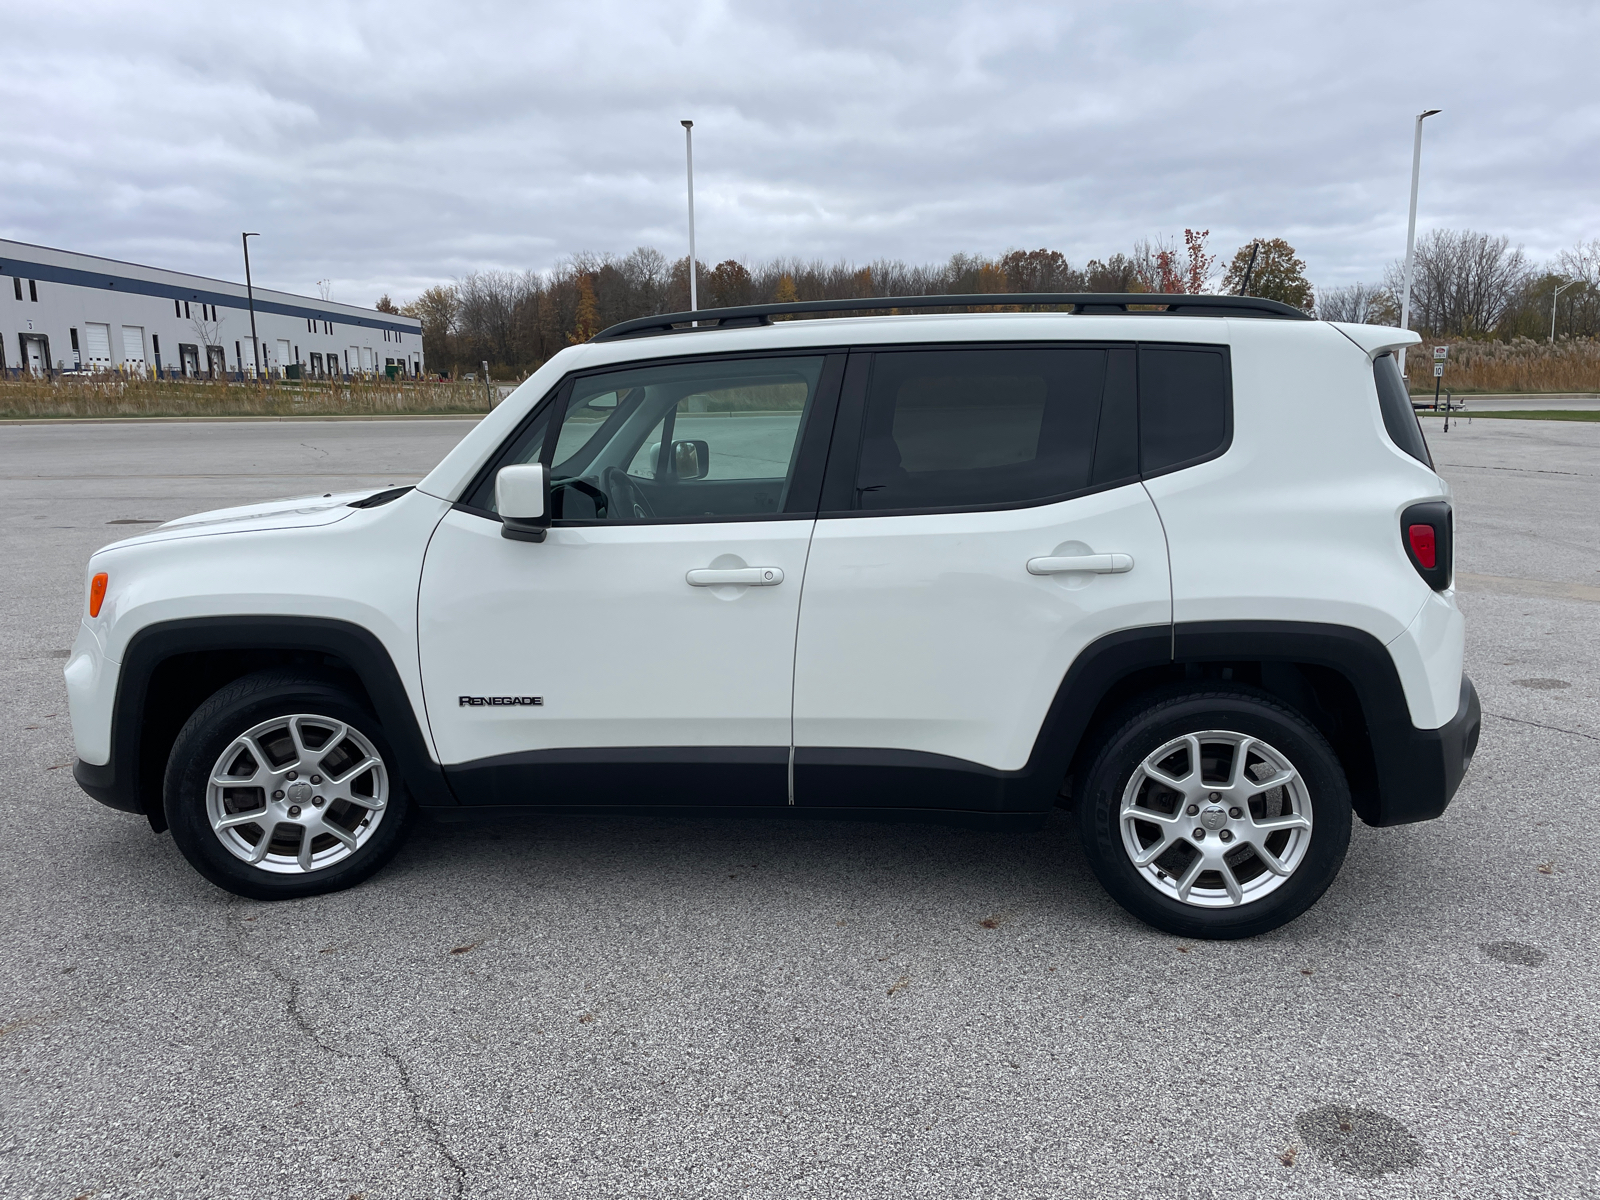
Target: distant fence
{"points": [[115, 395]]}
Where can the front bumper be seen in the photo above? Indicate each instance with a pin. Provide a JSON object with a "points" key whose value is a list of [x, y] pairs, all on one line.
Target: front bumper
{"points": [[1419, 782]]}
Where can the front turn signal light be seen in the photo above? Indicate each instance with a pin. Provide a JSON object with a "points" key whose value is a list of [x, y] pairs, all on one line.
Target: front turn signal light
{"points": [[97, 593]]}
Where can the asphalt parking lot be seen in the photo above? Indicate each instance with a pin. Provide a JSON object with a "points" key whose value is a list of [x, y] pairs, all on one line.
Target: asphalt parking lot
{"points": [[589, 1007]]}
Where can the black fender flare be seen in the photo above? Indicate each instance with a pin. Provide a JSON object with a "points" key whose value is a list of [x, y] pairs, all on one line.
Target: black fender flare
{"points": [[127, 784]]}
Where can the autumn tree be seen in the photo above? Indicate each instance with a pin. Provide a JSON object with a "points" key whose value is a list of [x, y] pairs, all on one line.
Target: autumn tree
{"points": [[1277, 275], [386, 305], [728, 285], [587, 322]]}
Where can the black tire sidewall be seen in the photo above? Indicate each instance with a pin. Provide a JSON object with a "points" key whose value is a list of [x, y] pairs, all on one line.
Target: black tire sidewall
{"points": [[1259, 717], [206, 735]]}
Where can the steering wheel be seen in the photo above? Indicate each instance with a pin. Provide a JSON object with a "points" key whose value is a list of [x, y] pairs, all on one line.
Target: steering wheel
{"points": [[626, 498], [602, 502]]}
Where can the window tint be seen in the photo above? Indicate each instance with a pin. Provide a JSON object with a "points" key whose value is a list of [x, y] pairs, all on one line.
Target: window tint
{"points": [[1399, 418], [1183, 406], [962, 428]]}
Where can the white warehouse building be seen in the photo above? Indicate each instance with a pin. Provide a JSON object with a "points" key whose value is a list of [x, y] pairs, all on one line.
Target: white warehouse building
{"points": [[76, 312]]}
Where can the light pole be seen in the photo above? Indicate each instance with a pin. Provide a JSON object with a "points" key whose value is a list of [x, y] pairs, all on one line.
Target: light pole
{"points": [[1558, 292], [1411, 227], [250, 294], [688, 146]]}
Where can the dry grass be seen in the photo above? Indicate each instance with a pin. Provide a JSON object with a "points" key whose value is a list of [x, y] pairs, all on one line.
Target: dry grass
{"points": [[114, 396], [1520, 365]]}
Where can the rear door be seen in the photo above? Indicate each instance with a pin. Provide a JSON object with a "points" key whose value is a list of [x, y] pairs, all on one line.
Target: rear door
{"points": [[643, 653], [982, 522]]}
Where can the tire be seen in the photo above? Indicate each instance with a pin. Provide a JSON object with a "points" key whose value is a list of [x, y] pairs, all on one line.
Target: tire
{"points": [[1190, 866], [305, 726]]}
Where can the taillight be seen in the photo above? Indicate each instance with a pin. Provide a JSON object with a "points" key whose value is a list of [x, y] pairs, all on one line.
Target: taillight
{"points": [[97, 593], [1427, 532], [1424, 547]]}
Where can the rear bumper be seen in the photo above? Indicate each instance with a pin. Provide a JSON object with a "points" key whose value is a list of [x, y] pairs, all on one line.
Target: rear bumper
{"points": [[1420, 784]]}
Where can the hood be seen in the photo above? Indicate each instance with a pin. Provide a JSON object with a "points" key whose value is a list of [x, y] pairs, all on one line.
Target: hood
{"points": [[299, 513]]}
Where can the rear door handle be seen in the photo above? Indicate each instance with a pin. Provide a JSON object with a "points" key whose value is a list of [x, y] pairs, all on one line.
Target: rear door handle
{"points": [[736, 576], [1100, 564]]}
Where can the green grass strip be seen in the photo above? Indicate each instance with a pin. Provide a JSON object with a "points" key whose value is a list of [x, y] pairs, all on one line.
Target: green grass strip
{"points": [[1534, 414]]}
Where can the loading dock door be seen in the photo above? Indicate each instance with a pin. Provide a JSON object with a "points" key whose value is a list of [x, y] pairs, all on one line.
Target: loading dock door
{"points": [[217, 358], [133, 347], [97, 346], [35, 353], [352, 359]]}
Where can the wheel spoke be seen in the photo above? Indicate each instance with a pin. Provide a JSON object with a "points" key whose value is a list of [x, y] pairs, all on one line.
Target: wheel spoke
{"points": [[1150, 853], [304, 856], [1273, 824], [259, 851], [1186, 884], [1230, 881], [354, 772], [334, 739], [233, 820], [1286, 776], [301, 751], [1241, 756], [338, 835]]}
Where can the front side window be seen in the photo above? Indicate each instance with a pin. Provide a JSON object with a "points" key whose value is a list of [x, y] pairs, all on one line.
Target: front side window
{"points": [[970, 428], [675, 441]]}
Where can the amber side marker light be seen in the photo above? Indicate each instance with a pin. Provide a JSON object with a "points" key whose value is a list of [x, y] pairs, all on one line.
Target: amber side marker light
{"points": [[97, 593]]}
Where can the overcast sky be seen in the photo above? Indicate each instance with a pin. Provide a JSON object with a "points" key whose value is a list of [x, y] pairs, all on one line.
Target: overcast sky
{"points": [[387, 146]]}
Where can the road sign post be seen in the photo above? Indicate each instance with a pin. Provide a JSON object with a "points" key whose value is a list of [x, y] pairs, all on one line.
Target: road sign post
{"points": [[1440, 353]]}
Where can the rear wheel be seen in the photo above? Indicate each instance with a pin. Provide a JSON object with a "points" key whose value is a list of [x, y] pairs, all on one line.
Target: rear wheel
{"points": [[281, 785], [1215, 814]]}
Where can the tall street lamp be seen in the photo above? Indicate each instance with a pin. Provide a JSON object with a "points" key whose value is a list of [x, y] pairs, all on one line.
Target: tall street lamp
{"points": [[688, 146], [1558, 292], [250, 293], [1411, 227]]}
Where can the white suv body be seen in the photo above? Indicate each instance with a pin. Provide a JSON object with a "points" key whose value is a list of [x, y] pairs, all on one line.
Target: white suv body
{"points": [[918, 565]]}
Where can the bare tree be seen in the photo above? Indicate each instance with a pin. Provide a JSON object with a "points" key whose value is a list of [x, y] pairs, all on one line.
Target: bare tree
{"points": [[1463, 282], [1359, 304]]}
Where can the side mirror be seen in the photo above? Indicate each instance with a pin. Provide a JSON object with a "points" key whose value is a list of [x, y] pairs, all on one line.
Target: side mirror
{"points": [[691, 459], [522, 497]]}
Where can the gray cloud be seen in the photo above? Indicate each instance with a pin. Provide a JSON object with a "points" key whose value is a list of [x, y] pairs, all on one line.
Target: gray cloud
{"points": [[389, 146]]}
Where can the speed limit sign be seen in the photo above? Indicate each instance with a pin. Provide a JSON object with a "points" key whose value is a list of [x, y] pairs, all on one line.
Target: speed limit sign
{"points": [[1438, 369]]}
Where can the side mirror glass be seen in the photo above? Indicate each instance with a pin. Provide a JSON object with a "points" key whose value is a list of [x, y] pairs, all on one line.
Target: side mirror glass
{"points": [[522, 497], [691, 459]]}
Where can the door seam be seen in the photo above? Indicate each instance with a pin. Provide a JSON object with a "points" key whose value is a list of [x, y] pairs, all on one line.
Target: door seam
{"points": [[1172, 597], [794, 661]]}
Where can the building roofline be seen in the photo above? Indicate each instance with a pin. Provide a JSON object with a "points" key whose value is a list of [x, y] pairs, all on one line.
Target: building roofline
{"points": [[186, 286]]}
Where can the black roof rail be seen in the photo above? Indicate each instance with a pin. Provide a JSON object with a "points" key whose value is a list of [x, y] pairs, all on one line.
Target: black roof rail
{"points": [[1078, 302]]}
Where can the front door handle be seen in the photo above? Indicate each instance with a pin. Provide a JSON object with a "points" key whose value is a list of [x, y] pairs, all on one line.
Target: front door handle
{"points": [[1100, 564], [736, 576]]}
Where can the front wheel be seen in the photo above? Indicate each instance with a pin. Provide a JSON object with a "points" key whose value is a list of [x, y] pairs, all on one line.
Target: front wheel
{"points": [[1215, 814], [281, 785]]}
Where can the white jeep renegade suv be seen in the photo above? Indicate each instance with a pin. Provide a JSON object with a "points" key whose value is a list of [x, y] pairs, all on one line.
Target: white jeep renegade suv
{"points": [[1187, 572]]}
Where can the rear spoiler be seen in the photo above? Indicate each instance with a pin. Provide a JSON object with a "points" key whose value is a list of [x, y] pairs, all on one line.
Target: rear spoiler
{"points": [[1377, 339]]}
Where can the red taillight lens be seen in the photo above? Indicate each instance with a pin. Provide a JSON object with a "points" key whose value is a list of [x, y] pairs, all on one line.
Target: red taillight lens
{"points": [[97, 593], [1423, 545]]}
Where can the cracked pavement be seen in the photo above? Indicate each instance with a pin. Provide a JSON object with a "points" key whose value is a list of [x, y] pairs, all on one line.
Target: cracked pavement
{"points": [[588, 1006]]}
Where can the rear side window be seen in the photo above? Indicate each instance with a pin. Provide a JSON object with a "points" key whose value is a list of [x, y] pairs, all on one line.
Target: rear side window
{"points": [[969, 428], [1399, 418], [1184, 411]]}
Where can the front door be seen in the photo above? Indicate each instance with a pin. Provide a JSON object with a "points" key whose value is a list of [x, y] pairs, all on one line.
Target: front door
{"points": [[643, 653], [982, 522]]}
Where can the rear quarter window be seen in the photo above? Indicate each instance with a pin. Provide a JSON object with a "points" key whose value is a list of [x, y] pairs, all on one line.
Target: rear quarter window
{"points": [[1185, 406], [1399, 418]]}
